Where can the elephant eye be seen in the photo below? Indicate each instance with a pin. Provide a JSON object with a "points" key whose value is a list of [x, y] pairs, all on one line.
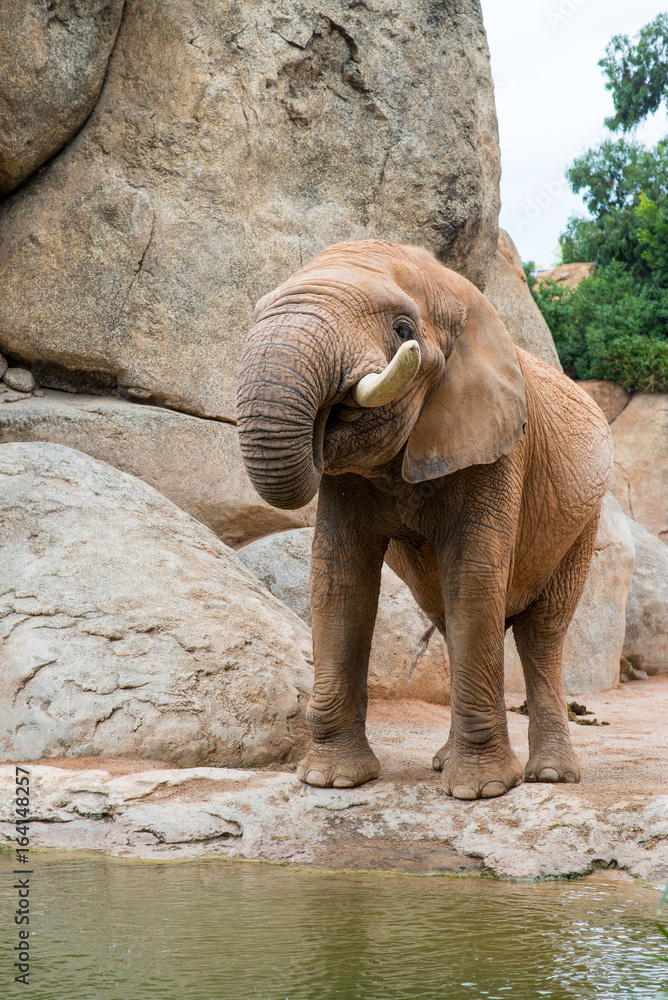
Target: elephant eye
{"points": [[403, 331]]}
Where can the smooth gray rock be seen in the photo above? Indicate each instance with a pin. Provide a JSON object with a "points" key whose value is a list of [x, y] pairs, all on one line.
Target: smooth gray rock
{"points": [[402, 664], [231, 143], [646, 641], [53, 57], [595, 638], [195, 463], [128, 629]]}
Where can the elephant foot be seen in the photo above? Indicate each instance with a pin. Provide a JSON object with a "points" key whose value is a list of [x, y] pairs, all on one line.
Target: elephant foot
{"points": [[551, 754], [476, 775], [443, 755], [553, 765], [331, 765]]}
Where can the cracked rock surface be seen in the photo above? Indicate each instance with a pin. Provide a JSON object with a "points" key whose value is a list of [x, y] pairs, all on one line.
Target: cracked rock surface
{"points": [[230, 143], [128, 628], [617, 817]]}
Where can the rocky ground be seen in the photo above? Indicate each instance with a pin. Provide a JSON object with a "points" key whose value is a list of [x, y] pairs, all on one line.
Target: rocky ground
{"points": [[616, 818]]}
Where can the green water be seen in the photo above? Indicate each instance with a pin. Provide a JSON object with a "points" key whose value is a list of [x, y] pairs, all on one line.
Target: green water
{"points": [[217, 930]]}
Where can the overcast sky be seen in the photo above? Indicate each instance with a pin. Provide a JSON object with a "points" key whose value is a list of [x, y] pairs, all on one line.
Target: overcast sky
{"points": [[551, 103]]}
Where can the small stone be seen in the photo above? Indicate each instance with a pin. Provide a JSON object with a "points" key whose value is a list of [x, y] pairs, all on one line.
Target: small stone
{"points": [[627, 672], [19, 379], [138, 392], [8, 395], [3, 365]]}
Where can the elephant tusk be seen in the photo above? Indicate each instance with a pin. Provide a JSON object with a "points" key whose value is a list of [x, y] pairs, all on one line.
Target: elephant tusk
{"points": [[380, 388]]}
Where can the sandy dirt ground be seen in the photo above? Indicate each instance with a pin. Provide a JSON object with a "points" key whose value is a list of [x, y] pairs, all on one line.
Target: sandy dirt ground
{"points": [[629, 755]]}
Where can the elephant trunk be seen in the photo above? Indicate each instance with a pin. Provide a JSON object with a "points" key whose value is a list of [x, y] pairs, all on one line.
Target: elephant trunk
{"points": [[283, 390]]}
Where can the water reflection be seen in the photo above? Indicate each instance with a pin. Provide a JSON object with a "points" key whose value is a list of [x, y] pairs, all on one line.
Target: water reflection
{"points": [[215, 930]]}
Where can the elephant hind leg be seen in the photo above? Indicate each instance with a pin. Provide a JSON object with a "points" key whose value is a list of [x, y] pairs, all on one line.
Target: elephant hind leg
{"points": [[540, 631]]}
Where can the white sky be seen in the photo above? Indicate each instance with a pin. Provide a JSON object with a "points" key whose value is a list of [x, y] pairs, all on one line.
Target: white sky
{"points": [[551, 103]]}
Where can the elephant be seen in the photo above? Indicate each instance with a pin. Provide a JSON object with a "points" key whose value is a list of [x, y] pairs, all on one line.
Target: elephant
{"points": [[387, 382]]}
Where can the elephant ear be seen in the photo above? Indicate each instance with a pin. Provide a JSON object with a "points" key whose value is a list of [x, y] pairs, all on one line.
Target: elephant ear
{"points": [[478, 410]]}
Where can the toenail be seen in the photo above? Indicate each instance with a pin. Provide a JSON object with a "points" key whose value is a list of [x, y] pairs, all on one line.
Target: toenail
{"points": [[316, 778], [493, 788], [549, 774], [343, 782], [464, 792], [436, 764], [570, 777]]}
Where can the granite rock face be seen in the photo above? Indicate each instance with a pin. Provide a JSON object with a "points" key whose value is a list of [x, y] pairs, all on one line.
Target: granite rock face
{"points": [[195, 463], [646, 642], [230, 143], [404, 662], [595, 638], [128, 629], [640, 473], [53, 57], [508, 291]]}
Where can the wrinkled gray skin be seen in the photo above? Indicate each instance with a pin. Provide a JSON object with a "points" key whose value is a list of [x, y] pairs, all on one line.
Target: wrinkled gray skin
{"points": [[480, 484]]}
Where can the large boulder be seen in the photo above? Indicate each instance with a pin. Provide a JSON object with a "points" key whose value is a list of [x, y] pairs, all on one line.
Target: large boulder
{"points": [[610, 396], [195, 463], [53, 57], [566, 275], [230, 143], [508, 291], [128, 629], [640, 475], [406, 662], [646, 642], [595, 637]]}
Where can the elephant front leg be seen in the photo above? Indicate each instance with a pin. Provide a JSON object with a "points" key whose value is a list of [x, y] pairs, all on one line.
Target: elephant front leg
{"points": [[345, 582], [477, 761]]}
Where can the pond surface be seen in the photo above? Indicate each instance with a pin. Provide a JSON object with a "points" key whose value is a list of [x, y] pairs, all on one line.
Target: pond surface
{"points": [[220, 930]]}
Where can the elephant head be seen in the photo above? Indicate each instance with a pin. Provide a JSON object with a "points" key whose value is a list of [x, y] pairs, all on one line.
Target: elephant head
{"points": [[370, 348]]}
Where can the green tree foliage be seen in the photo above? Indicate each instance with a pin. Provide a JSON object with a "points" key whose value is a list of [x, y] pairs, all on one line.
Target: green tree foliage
{"points": [[637, 73], [612, 178], [652, 232], [614, 325]]}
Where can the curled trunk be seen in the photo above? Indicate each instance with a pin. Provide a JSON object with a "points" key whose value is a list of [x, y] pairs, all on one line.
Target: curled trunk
{"points": [[282, 398]]}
